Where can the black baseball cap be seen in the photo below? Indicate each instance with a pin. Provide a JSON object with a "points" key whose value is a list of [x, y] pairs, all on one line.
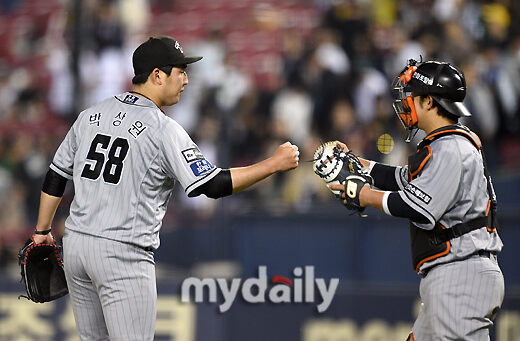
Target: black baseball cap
{"points": [[158, 52]]}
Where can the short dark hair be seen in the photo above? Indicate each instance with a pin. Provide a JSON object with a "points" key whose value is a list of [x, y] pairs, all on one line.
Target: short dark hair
{"points": [[143, 77], [441, 110]]}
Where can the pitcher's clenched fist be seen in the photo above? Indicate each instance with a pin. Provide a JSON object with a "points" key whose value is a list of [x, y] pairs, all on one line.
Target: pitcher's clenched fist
{"points": [[286, 157]]}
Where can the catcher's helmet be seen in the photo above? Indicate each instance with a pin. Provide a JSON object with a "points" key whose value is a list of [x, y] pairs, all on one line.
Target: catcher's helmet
{"points": [[444, 82]]}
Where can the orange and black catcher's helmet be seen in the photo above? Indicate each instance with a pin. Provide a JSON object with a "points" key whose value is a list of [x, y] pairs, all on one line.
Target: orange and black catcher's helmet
{"points": [[441, 80]]}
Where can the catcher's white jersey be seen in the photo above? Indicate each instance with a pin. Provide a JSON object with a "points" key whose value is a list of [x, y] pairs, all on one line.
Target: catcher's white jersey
{"points": [[124, 156]]}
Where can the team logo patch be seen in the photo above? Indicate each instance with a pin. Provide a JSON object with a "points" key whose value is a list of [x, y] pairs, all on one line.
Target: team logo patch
{"points": [[178, 46], [192, 154], [200, 167], [130, 99], [418, 193]]}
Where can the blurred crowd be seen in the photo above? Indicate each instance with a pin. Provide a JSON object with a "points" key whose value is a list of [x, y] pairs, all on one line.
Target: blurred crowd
{"points": [[304, 71]]}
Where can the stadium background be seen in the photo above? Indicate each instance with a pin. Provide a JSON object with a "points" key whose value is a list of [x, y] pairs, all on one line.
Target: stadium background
{"points": [[304, 71]]}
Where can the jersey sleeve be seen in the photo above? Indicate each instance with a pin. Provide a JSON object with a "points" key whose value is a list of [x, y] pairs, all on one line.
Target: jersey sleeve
{"points": [[181, 159], [63, 161], [435, 189]]}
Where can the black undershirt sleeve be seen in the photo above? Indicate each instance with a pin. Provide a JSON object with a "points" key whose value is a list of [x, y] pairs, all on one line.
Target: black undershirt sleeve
{"points": [[384, 177], [399, 208], [220, 186], [54, 184]]}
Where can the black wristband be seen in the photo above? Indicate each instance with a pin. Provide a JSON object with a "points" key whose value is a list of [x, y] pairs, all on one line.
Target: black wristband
{"points": [[44, 232]]}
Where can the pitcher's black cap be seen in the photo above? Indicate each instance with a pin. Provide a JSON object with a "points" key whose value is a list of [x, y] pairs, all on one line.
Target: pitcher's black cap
{"points": [[158, 52]]}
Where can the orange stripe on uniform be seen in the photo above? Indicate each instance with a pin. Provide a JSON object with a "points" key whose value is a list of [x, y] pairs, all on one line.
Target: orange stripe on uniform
{"points": [[477, 144]]}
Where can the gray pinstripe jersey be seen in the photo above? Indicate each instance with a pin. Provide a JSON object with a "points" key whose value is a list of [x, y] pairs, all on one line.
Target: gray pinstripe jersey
{"points": [[451, 189], [124, 156]]}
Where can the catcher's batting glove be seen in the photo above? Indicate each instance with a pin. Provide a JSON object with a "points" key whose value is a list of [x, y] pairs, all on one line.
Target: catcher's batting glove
{"points": [[353, 185]]}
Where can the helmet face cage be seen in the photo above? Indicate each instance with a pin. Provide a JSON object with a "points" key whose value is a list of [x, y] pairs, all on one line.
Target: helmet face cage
{"points": [[403, 101]]}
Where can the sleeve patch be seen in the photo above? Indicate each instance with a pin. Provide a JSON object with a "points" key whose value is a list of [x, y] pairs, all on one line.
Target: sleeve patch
{"points": [[421, 195], [201, 167], [192, 154]]}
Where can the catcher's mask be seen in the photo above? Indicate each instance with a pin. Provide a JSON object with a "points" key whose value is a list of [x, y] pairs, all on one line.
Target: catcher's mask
{"points": [[403, 99], [442, 81]]}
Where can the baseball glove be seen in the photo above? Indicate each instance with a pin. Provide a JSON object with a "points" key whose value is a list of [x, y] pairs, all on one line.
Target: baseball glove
{"points": [[333, 165], [42, 271]]}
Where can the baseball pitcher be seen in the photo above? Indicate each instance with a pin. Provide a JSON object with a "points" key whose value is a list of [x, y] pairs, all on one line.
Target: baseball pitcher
{"points": [[125, 156]]}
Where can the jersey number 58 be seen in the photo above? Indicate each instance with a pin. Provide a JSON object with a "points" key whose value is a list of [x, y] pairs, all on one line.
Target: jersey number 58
{"points": [[113, 166]]}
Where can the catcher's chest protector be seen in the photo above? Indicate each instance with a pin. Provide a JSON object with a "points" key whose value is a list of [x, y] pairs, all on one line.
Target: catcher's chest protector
{"points": [[428, 245]]}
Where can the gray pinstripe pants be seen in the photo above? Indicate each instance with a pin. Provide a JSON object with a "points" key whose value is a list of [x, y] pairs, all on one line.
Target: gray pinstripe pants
{"points": [[112, 288], [459, 300]]}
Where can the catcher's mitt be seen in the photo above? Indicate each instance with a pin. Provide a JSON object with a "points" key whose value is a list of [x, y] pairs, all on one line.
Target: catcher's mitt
{"points": [[333, 165], [42, 271]]}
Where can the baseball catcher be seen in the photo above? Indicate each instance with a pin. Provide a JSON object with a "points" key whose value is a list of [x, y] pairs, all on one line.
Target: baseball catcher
{"points": [[446, 193], [42, 271]]}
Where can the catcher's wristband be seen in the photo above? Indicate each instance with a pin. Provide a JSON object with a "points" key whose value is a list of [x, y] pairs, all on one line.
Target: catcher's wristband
{"points": [[44, 232]]}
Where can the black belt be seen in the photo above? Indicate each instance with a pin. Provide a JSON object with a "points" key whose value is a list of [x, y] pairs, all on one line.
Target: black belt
{"points": [[487, 254]]}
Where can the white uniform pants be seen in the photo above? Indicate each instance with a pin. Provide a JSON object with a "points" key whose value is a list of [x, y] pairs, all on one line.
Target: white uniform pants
{"points": [[459, 300], [112, 288]]}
